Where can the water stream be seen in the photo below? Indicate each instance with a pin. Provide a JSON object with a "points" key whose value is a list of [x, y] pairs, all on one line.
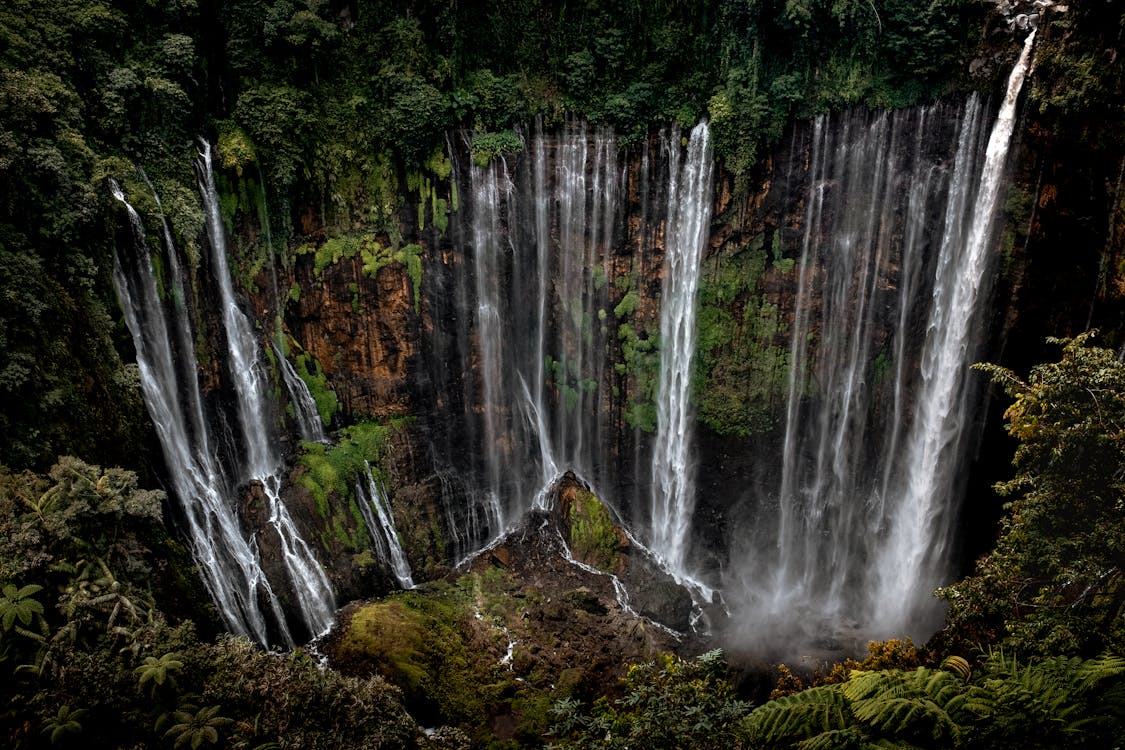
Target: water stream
{"points": [[887, 321], [686, 232], [228, 561], [376, 510], [313, 591]]}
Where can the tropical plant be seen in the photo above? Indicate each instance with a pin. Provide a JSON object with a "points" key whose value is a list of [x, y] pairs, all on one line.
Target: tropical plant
{"points": [[19, 609], [158, 672], [64, 723], [195, 726], [1051, 703], [1055, 583]]}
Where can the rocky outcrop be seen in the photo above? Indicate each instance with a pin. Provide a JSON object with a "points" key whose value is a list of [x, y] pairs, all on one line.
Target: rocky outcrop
{"points": [[522, 625], [595, 539]]}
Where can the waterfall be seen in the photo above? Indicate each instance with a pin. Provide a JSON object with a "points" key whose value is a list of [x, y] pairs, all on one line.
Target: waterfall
{"points": [[920, 531], [315, 599], [228, 562], [381, 525], [487, 187], [857, 303], [309, 424], [856, 535], [540, 243], [685, 234]]}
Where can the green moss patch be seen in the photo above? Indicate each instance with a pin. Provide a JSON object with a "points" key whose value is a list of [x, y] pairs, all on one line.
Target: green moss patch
{"points": [[415, 641], [310, 371], [591, 532], [742, 367]]}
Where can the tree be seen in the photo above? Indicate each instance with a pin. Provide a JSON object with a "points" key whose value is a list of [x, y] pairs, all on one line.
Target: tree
{"points": [[1054, 583]]}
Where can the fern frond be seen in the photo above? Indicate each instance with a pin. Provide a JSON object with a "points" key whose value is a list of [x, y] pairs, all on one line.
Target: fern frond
{"points": [[867, 685], [1105, 667], [800, 716], [906, 716], [851, 738]]}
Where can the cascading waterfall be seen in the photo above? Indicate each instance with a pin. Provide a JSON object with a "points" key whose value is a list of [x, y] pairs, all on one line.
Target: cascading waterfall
{"points": [[685, 234], [381, 525], [919, 532], [857, 535], [541, 241], [487, 188], [228, 561], [309, 425], [315, 599]]}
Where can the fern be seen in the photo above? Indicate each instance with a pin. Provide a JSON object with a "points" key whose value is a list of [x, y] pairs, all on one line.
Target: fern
{"points": [[800, 716], [64, 723]]}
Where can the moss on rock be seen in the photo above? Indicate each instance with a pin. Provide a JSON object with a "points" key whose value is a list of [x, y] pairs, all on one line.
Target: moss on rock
{"points": [[592, 535]]}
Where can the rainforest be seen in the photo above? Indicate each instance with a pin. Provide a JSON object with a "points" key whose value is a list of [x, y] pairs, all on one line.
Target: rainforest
{"points": [[597, 374]]}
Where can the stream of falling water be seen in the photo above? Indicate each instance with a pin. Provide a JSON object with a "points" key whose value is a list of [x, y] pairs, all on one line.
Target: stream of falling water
{"points": [[315, 599], [685, 234], [914, 556], [873, 449], [376, 510], [309, 425], [540, 241], [228, 561]]}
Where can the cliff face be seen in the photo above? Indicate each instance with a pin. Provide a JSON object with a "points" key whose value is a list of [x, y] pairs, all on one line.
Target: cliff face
{"points": [[511, 315], [364, 329]]}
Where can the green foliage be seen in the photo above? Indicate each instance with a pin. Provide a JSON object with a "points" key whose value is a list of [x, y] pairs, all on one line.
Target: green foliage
{"points": [[1078, 83], [310, 371], [642, 364], [627, 306], [487, 146], [592, 535], [1054, 581], [666, 704], [414, 640], [278, 118], [1056, 702], [158, 672], [331, 470], [194, 727], [374, 255], [290, 700], [411, 257], [64, 723], [741, 379], [19, 604], [236, 151]]}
